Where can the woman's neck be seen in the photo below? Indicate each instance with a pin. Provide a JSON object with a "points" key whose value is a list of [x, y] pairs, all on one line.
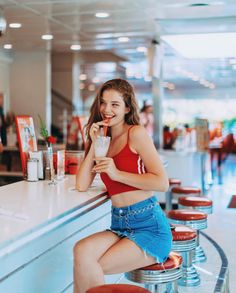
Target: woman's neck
{"points": [[118, 130]]}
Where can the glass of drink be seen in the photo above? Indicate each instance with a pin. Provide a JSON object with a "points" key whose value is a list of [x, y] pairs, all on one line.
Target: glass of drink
{"points": [[101, 146], [60, 164]]}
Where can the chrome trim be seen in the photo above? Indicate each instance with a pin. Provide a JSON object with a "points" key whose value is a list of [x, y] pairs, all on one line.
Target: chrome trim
{"points": [[205, 209], [183, 246], [197, 225], [154, 277]]}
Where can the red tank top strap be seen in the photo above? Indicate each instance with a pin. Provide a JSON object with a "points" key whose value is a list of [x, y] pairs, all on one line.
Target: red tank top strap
{"points": [[128, 133]]}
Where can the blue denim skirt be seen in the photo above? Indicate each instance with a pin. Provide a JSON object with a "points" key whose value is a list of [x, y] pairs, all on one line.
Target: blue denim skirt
{"points": [[145, 224]]}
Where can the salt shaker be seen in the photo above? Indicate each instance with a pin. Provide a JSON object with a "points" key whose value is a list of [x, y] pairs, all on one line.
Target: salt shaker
{"points": [[32, 170]]}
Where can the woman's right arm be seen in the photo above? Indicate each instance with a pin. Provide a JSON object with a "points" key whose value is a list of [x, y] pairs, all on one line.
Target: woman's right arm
{"points": [[84, 176]]}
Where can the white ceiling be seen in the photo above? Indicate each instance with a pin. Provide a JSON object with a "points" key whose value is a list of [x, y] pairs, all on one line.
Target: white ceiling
{"points": [[73, 21]]}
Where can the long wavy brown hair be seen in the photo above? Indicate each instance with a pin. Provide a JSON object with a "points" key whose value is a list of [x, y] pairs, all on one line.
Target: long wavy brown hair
{"points": [[127, 92]]}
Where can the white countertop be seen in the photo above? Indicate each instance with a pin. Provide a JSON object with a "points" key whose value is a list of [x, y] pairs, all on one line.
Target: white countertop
{"points": [[24, 206]]}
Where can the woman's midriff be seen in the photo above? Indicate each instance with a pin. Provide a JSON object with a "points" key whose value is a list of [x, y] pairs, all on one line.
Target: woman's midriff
{"points": [[131, 197]]}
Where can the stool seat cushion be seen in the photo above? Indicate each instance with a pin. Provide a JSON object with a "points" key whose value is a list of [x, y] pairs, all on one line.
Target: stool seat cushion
{"points": [[186, 215], [182, 233], [117, 288], [173, 261], [194, 201], [174, 181], [186, 190]]}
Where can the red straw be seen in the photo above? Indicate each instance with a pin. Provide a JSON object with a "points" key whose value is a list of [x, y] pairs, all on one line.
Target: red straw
{"points": [[105, 127]]}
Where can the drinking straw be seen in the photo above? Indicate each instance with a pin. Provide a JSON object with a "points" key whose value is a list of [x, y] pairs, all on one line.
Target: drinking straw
{"points": [[105, 127]]}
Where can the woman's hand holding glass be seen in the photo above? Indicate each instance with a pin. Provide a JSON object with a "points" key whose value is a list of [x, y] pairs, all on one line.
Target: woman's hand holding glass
{"points": [[101, 143], [106, 165]]}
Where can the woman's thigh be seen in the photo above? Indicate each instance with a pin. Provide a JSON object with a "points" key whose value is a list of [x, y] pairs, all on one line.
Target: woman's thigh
{"points": [[95, 245], [124, 256]]}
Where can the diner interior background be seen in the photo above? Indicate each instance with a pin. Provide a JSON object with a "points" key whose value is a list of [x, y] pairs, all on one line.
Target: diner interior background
{"points": [[47, 77]]}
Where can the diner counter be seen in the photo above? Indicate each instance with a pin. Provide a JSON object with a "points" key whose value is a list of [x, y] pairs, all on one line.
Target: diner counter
{"points": [[26, 206], [191, 167], [40, 224]]}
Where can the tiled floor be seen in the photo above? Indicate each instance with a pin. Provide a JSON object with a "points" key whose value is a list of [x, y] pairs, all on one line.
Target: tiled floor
{"points": [[222, 224]]}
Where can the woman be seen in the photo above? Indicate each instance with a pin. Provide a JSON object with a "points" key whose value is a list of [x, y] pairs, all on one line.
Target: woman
{"points": [[146, 117], [140, 234]]}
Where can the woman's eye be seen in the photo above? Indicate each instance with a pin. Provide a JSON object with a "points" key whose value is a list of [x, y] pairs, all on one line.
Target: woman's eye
{"points": [[115, 105]]}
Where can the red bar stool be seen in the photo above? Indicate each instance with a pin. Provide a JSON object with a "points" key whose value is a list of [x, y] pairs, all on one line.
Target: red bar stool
{"points": [[196, 220], [201, 204], [178, 191], [156, 276], [185, 242], [117, 288], [172, 182]]}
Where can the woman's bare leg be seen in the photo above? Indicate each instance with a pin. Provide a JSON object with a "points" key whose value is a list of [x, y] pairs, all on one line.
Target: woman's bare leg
{"points": [[124, 256], [87, 270]]}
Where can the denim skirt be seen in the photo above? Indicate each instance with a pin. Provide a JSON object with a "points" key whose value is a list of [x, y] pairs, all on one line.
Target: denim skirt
{"points": [[145, 224]]}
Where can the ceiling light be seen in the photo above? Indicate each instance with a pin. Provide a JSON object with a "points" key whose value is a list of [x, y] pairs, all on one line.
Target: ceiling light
{"points": [[15, 25], [75, 47], [47, 37], [7, 46], [142, 49], [211, 45], [123, 39], [83, 76], [96, 79], [102, 14]]}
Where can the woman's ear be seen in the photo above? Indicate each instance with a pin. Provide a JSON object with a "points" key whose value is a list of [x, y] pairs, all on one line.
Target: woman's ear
{"points": [[127, 110]]}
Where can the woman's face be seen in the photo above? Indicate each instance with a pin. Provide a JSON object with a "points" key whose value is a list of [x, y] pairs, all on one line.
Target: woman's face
{"points": [[113, 107]]}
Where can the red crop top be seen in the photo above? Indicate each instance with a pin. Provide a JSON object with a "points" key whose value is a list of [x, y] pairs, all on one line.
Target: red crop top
{"points": [[127, 161]]}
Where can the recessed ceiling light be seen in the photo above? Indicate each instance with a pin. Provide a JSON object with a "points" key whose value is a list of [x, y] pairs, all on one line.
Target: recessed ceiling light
{"points": [[7, 46], [75, 47], [142, 49], [123, 39], [102, 14], [15, 25], [83, 76], [47, 37]]}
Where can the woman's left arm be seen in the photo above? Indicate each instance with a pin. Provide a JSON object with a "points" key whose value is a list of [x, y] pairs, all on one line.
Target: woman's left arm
{"points": [[155, 177]]}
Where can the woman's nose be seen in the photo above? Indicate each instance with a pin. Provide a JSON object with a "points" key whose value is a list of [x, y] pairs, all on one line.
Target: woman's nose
{"points": [[107, 108]]}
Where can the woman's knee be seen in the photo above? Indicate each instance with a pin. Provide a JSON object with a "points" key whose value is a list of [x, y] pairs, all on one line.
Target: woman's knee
{"points": [[82, 250]]}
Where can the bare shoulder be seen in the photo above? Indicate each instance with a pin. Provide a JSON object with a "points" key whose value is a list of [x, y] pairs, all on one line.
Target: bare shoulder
{"points": [[139, 138], [138, 132]]}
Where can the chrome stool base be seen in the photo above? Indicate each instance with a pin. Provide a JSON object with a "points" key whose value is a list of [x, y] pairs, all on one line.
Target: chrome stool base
{"points": [[163, 288], [199, 255], [190, 277]]}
